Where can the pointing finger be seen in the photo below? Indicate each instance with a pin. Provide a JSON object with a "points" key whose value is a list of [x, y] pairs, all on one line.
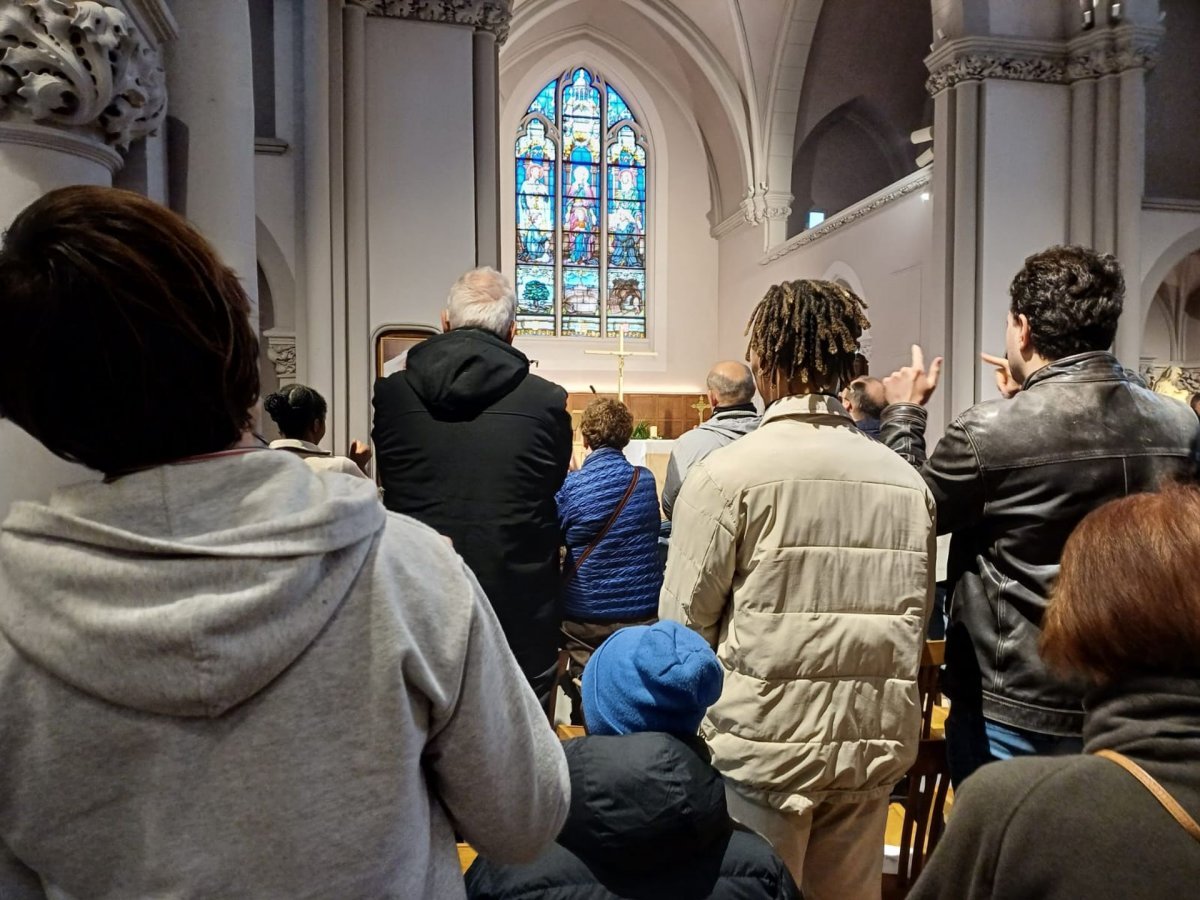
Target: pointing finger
{"points": [[918, 358], [935, 372], [998, 361]]}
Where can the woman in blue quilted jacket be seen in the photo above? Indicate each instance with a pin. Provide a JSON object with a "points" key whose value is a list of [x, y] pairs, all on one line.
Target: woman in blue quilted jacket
{"points": [[609, 514]]}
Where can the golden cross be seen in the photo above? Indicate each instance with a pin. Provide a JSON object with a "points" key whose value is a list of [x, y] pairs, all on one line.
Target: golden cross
{"points": [[700, 406], [620, 353]]}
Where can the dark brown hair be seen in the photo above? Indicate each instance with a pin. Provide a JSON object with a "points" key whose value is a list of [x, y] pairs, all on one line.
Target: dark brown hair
{"points": [[606, 423], [126, 342], [808, 328], [1127, 601], [1072, 297]]}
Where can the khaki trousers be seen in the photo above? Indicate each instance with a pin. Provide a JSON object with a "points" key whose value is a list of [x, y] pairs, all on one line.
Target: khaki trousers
{"points": [[834, 851]]}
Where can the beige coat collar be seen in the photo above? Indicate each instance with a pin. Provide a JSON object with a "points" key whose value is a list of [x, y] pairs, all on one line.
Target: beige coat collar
{"points": [[805, 406]]}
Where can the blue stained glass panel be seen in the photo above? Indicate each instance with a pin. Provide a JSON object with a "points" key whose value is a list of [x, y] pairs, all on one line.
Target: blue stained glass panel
{"points": [[618, 109], [544, 102], [535, 291], [582, 139], [625, 150], [634, 329], [626, 183], [581, 292], [626, 217], [627, 251], [536, 325], [535, 247], [580, 98], [534, 143]]}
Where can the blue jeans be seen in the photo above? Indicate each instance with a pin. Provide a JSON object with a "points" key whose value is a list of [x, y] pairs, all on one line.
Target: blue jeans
{"points": [[973, 741]]}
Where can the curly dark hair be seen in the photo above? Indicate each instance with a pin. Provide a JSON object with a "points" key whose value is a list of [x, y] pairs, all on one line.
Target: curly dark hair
{"points": [[606, 423], [295, 409], [808, 328], [1072, 297]]}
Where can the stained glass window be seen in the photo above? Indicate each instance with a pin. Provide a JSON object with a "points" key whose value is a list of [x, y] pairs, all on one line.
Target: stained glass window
{"points": [[581, 212]]}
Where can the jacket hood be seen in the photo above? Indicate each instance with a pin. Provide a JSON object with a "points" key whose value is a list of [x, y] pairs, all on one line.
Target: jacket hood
{"points": [[461, 372], [185, 589], [641, 801], [732, 424]]}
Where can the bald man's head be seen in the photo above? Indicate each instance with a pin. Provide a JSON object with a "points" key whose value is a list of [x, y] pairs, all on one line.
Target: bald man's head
{"points": [[864, 399], [730, 383]]}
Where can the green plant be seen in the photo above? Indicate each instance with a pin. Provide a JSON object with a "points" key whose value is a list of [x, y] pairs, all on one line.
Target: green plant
{"points": [[641, 432]]}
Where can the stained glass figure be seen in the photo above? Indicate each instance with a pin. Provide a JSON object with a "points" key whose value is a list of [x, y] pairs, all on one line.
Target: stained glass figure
{"points": [[581, 174]]}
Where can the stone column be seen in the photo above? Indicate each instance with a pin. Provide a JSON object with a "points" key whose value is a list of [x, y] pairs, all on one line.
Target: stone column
{"points": [[78, 83], [212, 131]]}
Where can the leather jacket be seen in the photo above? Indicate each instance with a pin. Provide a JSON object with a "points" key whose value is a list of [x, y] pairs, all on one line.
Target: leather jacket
{"points": [[1011, 479]]}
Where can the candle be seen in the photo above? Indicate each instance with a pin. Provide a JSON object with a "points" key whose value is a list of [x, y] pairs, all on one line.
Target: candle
{"points": [[653, 432]]}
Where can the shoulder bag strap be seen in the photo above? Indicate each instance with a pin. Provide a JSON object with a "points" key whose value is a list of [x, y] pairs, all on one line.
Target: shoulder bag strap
{"points": [[1160, 793], [637, 472]]}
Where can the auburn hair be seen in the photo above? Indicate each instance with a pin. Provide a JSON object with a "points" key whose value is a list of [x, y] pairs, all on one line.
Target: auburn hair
{"points": [[606, 423], [1127, 600]]}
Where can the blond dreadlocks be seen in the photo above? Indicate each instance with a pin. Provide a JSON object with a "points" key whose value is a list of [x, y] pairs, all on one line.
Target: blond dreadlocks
{"points": [[807, 328]]}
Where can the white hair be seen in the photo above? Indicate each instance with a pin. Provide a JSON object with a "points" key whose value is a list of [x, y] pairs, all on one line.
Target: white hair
{"points": [[482, 298]]}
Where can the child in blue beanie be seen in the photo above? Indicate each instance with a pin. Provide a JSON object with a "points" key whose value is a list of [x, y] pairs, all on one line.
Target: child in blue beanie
{"points": [[648, 815], [659, 677]]}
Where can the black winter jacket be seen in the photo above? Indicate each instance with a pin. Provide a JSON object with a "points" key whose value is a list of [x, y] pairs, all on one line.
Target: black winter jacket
{"points": [[1012, 479], [470, 443], [1069, 827], [647, 820]]}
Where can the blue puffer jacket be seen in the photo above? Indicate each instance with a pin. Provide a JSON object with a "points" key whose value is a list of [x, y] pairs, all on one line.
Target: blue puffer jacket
{"points": [[621, 578]]}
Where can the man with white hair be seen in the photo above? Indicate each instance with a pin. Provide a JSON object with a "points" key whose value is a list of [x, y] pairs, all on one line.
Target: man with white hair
{"points": [[471, 443]]}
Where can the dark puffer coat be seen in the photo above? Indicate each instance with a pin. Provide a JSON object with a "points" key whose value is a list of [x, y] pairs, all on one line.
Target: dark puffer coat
{"points": [[621, 578], [473, 445], [647, 820]]}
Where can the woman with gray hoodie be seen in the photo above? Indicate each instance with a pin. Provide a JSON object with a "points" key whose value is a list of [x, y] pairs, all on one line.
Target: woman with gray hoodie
{"points": [[225, 674]]}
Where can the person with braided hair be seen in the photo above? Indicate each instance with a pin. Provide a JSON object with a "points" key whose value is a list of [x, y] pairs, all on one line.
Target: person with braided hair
{"points": [[813, 584]]}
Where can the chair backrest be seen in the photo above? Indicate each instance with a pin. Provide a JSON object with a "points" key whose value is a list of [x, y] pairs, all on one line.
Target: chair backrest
{"points": [[924, 809], [552, 700], [929, 679]]}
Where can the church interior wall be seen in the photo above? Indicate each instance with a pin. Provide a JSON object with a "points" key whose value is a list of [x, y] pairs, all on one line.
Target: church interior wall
{"points": [[857, 109], [1173, 107], [889, 252]]}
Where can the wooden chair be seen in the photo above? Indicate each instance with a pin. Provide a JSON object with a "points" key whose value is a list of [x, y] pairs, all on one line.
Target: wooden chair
{"points": [[924, 816], [929, 679]]}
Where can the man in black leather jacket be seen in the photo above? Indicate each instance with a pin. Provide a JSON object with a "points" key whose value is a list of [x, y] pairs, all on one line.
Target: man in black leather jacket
{"points": [[1012, 477]]}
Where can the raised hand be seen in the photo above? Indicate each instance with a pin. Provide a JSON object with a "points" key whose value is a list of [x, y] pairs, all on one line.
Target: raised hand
{"points": [[913, 384], [360, 454], [1007, 385]]}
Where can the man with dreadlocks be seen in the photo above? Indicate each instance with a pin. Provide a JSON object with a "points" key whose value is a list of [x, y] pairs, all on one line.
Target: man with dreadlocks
{"points": [[804, 552]]}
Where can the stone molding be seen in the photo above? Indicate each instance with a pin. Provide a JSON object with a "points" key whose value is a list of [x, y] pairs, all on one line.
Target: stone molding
{"points": [[82, 66], [62, 141], [1092, 55], [919, 180], [281, 351], [485, 15], [763, 204]]}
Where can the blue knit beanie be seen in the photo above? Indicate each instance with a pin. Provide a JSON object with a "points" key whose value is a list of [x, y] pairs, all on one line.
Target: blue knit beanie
{"points": [[659, 677]]}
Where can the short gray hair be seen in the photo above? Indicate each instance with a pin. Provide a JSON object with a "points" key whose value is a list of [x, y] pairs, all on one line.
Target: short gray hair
{"points": [[482, 298], [731, 391]]}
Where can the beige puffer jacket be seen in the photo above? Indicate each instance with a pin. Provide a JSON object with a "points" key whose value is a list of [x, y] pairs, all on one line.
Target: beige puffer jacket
{"points": [[805, 553]]}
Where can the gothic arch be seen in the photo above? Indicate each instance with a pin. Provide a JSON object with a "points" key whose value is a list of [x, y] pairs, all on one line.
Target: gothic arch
{"points": [[1174, 254]]}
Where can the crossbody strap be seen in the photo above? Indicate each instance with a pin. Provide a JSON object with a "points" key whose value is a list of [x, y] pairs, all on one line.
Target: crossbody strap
{"points": [[1160, 793], [637, 471]]}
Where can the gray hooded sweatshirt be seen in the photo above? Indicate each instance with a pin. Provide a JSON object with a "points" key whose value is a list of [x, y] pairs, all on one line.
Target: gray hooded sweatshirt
{"points": [[692, 446], [236, 677]]}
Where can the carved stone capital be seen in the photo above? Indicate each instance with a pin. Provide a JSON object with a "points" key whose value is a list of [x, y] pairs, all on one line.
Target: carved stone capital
{"points": [[1091, 55], [1096, 54], [82, 66], [281, 351], [486, 15], [763, 204]]}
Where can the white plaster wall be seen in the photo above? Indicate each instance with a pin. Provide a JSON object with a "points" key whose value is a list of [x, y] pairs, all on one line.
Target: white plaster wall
{"points": [[1023, 204], [682, 283], [884, 255], [420, 169], [1156, 338]]}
